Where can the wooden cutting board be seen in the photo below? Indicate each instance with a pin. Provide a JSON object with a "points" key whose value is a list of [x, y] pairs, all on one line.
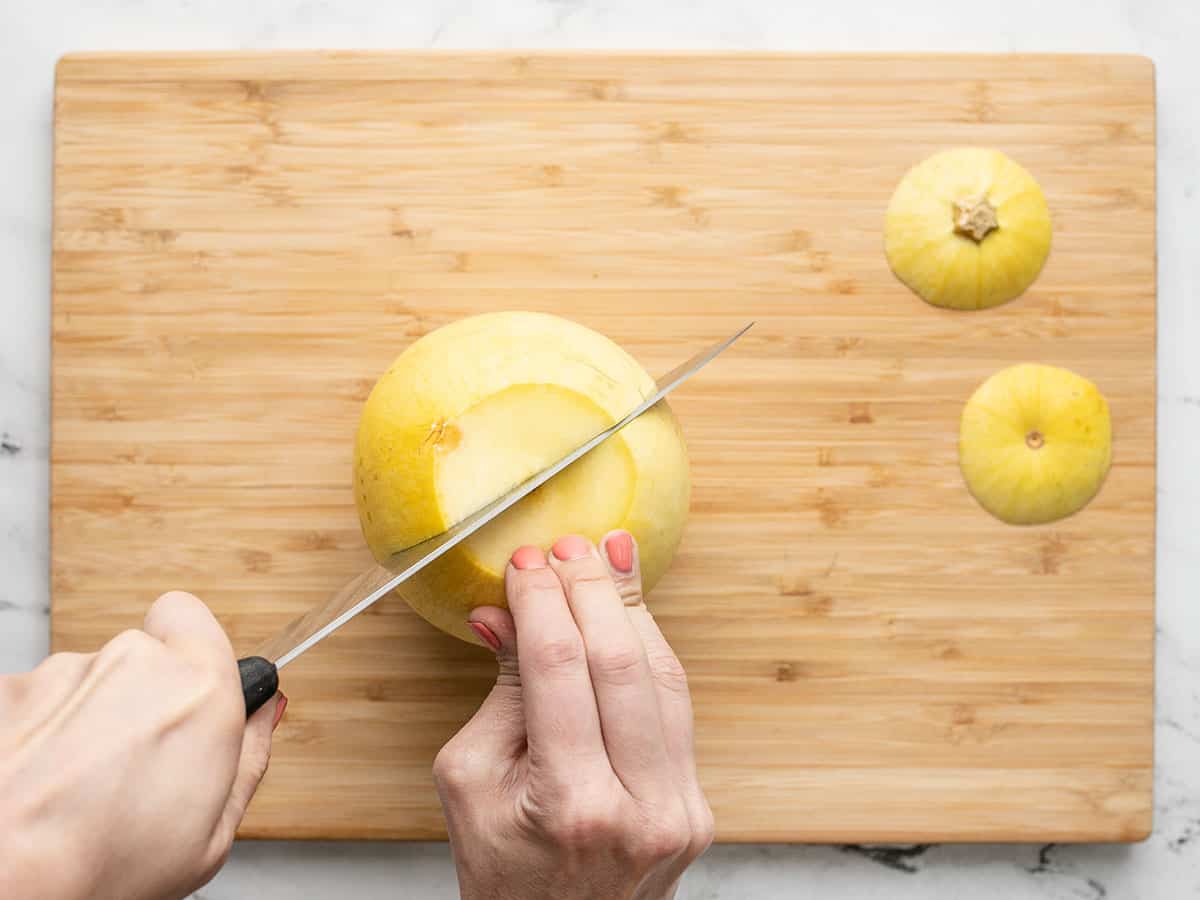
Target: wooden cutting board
{"points": [[242, 243]]}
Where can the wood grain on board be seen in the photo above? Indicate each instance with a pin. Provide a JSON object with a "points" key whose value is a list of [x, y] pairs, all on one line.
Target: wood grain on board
{"points": [[243, 242]]}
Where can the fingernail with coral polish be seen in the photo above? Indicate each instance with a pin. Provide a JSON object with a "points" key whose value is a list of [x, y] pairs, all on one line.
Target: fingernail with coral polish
{"points": [[486, 635], [571, 547], [619, 548], [529, 558], [280, 706]]}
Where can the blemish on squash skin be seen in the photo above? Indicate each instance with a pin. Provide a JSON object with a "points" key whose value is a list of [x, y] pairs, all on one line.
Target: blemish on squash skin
{"points": [[443, 436], [450, 438]]}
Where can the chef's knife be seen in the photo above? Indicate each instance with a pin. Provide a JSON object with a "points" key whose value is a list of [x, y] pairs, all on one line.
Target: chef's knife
{"points": [[260, 673]]}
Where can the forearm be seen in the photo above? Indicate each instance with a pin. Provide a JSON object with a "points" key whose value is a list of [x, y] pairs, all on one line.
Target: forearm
{"points": [[37, 860]]}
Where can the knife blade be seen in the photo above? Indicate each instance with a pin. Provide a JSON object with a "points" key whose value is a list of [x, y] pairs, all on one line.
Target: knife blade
{"points": [[260, 672]]}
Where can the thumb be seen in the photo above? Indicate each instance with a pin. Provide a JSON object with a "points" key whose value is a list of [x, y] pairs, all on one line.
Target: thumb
{"points": [[252, 765], [500, 720]]}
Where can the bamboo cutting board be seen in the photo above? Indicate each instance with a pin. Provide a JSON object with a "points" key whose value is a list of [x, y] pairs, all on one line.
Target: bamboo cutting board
{"points": [[242, 243]]}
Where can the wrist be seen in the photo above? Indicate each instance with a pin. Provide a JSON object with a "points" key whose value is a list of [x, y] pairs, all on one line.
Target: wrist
{"points": [[33, 865]]}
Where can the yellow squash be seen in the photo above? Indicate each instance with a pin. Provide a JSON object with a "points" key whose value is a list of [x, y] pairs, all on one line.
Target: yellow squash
{"points": [[476, 407], [1035, 443], [967, 229]]}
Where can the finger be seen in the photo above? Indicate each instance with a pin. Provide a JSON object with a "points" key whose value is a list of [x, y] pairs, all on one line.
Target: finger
{"points": [[252, 766], [561, 722], [619, 550], [670, 680], [620, 671], [674, 700], [186, 625], [497, 730]]}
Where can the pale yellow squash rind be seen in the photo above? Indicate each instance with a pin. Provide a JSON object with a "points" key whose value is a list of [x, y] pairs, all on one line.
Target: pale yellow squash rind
{"points": [[1035, 444], [948, 268], [477, 406]]}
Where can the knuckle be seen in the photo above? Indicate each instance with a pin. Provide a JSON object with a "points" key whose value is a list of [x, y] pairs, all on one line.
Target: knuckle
{"points": [[586, 826], [57, 667], [558, 654], [452, 768], [621, 663], [129, 643], [665, 836], [669, 672], [704, 831], [213, 683], [666, 842], [172, 598], [629, 589], [202, 688], [589, 574], [509, 674], [534, 586]]}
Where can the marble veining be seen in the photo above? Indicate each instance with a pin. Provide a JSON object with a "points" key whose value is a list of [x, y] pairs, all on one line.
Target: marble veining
{"points": [[1166, 866]]}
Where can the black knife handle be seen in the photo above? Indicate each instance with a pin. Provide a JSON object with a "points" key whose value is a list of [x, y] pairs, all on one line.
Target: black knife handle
{"points": [[260, 681]]}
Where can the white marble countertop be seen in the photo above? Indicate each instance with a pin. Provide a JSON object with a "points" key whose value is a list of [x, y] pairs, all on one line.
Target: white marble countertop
{"points": [[34, 34]]}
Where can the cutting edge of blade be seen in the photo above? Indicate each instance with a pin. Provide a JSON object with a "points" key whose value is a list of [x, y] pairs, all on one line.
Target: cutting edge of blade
{"points": [[329, 627], [447, 540]]}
